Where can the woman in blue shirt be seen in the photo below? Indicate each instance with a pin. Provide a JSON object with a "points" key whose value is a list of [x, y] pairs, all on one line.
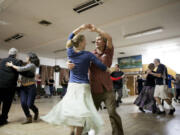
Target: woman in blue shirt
{"points": [[77, 109]]}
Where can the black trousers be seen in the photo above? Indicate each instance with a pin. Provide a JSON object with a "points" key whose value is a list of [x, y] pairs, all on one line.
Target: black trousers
{"points": [[177, 93], [6, 98], [139, 90], [120, 93]]}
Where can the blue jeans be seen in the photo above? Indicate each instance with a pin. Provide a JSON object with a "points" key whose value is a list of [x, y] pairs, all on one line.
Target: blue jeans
{"points": [[51, 88], [27, 96], [64, 91]]}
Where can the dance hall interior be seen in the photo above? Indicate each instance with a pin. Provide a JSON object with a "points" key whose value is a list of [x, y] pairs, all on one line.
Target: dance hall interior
{"points": [[89, 67]]}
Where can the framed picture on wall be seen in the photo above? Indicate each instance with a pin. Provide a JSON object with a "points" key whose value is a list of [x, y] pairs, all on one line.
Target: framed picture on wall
{"points": [[130, 62]]}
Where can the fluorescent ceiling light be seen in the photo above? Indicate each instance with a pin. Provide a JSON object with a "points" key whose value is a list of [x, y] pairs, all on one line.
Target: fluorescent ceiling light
{"points": [[144, 33]]}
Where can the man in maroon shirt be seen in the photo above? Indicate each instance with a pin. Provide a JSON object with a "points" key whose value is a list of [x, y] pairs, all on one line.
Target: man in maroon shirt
{"points": [[101, 84]]}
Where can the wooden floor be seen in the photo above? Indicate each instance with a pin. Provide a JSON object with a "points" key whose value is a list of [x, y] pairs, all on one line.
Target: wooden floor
{"points": [[134, 122]]}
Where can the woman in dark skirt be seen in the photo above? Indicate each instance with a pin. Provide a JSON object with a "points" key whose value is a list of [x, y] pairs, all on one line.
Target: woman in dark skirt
{"points": [[146, 98]]}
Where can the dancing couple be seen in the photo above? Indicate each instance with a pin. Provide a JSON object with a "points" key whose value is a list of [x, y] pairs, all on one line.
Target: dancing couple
{"points": [[10, 68], [77, 109], [155, 89]]}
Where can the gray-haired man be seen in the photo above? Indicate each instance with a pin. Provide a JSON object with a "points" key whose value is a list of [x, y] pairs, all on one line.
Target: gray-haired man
{"points": [[8, 80], [161, 88]]}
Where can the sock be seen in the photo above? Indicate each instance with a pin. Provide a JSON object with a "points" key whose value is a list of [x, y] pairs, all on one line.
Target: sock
{"points": [[161, 108], [91, 132]]}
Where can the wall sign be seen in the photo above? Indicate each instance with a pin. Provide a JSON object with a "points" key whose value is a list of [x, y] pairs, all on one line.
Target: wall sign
{"points": [[130, 62]]}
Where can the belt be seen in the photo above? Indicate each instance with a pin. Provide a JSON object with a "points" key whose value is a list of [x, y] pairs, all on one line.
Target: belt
{"points": [[28, 84]]}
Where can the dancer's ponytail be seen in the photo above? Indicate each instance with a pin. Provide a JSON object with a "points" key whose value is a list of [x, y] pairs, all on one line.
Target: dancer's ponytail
{"points": [[77, 40]]}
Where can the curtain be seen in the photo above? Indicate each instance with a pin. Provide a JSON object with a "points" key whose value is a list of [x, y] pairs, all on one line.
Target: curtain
{"points": [[46, 72], [63, 76]]}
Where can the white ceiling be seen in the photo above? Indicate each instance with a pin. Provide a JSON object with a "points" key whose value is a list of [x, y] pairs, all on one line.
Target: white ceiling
{"points": [[117, 17]]}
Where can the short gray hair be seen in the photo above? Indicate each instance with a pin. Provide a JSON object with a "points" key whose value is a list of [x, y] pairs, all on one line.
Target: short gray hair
{"points": [[158, 60], [13, 51]]}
